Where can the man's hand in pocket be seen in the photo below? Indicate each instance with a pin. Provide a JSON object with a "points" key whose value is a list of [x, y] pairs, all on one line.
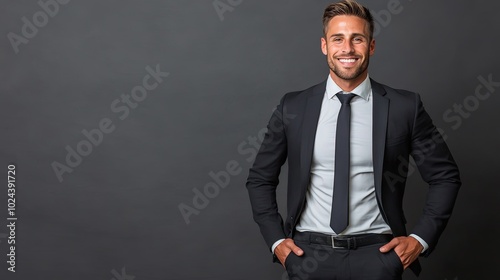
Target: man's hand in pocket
{"points": [[285, 248]]}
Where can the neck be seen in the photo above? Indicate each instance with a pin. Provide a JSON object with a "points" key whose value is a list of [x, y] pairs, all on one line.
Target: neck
{"points": [[348, 85]]}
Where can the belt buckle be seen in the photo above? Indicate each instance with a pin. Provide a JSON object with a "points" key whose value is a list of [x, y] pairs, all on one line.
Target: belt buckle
{"points": [[351, 243], [333, 243]]}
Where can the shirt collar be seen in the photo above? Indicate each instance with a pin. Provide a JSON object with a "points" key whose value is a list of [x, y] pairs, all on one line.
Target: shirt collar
{"points": [[362, 90]]}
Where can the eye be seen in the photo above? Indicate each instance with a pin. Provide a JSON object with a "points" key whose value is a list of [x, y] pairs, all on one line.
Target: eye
{"points": [[358, 40], [337, 40]]}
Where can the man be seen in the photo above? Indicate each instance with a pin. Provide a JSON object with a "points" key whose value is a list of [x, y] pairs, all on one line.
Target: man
{"points": [[347, 141]]}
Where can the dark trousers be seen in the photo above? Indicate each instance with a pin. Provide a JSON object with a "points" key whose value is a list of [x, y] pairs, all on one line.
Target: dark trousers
{"points": [[323, 262]]}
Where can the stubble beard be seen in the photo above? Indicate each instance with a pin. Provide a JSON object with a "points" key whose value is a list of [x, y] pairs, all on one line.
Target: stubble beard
{"points": [[348, 75]]}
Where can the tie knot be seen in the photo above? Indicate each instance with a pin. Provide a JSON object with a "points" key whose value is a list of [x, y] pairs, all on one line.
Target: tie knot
{"points": [[345, 98]]}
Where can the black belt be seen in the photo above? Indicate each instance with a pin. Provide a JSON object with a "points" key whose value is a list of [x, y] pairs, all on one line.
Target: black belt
{"points": [[343, 241]]}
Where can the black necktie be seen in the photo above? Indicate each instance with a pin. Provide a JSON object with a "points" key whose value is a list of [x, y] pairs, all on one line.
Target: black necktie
{"points": [[340, 202]]}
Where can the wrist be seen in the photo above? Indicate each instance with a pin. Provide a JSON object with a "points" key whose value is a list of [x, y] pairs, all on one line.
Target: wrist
{"points": [[276, 244], [422, 242]]}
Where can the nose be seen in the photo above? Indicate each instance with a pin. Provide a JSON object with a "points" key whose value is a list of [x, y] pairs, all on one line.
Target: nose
{"points": [[347, 47]]}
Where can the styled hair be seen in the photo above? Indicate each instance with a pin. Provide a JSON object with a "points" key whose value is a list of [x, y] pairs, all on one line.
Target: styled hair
{"points": [[347, 8]]}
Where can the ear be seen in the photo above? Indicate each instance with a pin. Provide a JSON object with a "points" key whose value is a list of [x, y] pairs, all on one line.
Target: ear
{"points": [[324, 47], [372, 47]]}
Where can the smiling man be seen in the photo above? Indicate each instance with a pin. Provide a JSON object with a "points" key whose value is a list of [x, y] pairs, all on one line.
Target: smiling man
{"points": [[345, 147]]}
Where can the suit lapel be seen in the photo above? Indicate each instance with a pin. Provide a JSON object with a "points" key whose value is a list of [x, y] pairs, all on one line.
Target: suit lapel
{"points": [[380, 118], [309, 125]]}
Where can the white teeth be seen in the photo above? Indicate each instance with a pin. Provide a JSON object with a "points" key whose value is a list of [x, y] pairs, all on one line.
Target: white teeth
{"points": [[347, 60]]}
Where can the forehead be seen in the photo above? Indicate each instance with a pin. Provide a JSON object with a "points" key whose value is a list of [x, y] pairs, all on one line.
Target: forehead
{"points": [[347, 24]]}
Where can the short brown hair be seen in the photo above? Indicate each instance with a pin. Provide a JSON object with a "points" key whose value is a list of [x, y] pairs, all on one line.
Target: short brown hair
{"points": [[347, 8]]}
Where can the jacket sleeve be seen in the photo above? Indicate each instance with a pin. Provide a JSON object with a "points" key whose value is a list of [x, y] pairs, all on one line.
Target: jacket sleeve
{"points": [[263, 178], [439, 170]]}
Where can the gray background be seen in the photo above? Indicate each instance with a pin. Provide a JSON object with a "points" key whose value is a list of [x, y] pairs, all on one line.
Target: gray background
{"points": [[117, 214]]}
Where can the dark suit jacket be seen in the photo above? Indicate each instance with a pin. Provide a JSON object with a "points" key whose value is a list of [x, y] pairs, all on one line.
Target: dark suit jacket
{"points": [[401, 127]]}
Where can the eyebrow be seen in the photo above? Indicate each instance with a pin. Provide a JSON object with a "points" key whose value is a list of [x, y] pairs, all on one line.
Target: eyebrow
{"points": [[353, 35]]}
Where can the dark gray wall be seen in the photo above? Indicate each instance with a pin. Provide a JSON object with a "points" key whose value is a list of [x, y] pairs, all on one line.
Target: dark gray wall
{"points": [[116, 215]]}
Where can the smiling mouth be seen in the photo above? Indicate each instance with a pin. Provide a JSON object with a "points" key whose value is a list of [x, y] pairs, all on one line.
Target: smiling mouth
{"points": [[348, 60]]}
